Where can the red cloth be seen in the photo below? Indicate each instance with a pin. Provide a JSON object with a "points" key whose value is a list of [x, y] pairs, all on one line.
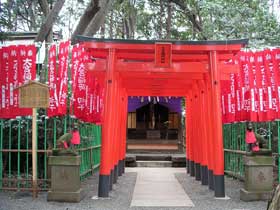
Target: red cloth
{"points": [[75, 137], [256, 148], [65, 145], [250, 137]]}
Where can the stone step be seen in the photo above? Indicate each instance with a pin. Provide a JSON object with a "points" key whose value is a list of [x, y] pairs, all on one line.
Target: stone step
{"points": [[153, 164]]}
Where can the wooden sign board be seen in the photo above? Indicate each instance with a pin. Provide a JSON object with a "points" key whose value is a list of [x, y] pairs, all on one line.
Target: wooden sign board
{"points": [[163, 53], [34, 95]]}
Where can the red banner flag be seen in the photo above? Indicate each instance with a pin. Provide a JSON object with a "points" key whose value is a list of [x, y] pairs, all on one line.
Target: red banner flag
{"points": [[272, 83], [63, 77], [1, 83], [27, 69], [76, 54], [53, 102], [253, 116], [5, 83], [90, 97], [225, 91], [262, 86], [245, 86], [13, 80], [276, 67], [238, 91], [80, 87]]}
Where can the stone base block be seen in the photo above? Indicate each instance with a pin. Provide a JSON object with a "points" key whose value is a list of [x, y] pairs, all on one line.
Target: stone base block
{"points": [[255, 196], [73, 197]]}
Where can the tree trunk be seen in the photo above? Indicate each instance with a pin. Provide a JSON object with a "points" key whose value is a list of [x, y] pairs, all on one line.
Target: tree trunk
{"points": [[98, 19], [46, 10], [88, 15], [132, 20], [10, 19], [102, 30], [47, 25], [168, 21], [44, 7], [49, 39], [160, 32], [111, 25], [126, 28]]}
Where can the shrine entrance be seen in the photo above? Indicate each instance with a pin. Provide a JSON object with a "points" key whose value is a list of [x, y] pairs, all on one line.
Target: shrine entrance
{"points": [[154, 124], [189, 69]]}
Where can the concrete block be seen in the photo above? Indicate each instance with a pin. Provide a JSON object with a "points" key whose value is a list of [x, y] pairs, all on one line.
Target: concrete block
{"points": [[255, 196], [258, 173], [73, 197]]}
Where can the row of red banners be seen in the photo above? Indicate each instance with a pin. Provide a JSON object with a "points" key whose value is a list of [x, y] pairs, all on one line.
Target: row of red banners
{"points": [[251, 95], [254, 93], [17, 66], [86, 100]]}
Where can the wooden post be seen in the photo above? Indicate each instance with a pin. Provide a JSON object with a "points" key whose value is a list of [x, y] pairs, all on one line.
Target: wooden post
{"points": [[34, 152]]}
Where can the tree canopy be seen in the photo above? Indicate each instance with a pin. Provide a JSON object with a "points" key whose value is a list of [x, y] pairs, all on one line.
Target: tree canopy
{"points": [[149, 19]]}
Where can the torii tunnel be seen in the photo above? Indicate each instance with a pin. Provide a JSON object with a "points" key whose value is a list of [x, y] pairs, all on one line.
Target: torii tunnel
{"points": [[190, 69]]}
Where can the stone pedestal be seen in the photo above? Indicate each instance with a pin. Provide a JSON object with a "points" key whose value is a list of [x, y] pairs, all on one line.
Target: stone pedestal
{"points": [[65, 179], [258, 178]]}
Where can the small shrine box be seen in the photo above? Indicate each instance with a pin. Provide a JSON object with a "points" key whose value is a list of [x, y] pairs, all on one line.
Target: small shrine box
{"points": [[34, 95]]}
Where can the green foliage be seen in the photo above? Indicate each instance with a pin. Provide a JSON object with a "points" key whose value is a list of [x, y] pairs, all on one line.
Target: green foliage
{"points": [[228, 19], [20, 15], [218, 20]]}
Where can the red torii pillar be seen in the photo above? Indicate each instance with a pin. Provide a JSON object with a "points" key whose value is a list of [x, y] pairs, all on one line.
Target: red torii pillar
{"points": [[190, 134], [218, 150], [106, 167], [210, 137], [203, 133], [204, 137]]}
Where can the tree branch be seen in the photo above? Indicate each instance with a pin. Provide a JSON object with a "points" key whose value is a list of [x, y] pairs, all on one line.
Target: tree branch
{"points": [[190, 15], [44, 7], [97, 20], [47, 25]]}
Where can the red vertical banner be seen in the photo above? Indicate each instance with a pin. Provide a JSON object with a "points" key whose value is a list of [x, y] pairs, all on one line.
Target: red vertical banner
{"points": [[276, 66], [5, 85], [28, 56], [238, 90], [253, 116], [62, 82], [262, 86], [272, 81], [245, 86], [76, 53], [53, 102], [27, 69], [1, 82], [80, 90], [225, 100], [13, 80], [90, 96]]}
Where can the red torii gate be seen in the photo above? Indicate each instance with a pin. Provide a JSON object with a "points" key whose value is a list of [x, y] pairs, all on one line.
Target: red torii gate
{"points": [[190, 69]]}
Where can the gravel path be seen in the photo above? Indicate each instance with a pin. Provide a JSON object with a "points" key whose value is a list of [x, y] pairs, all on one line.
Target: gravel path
{"points": [[121, 196]]}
